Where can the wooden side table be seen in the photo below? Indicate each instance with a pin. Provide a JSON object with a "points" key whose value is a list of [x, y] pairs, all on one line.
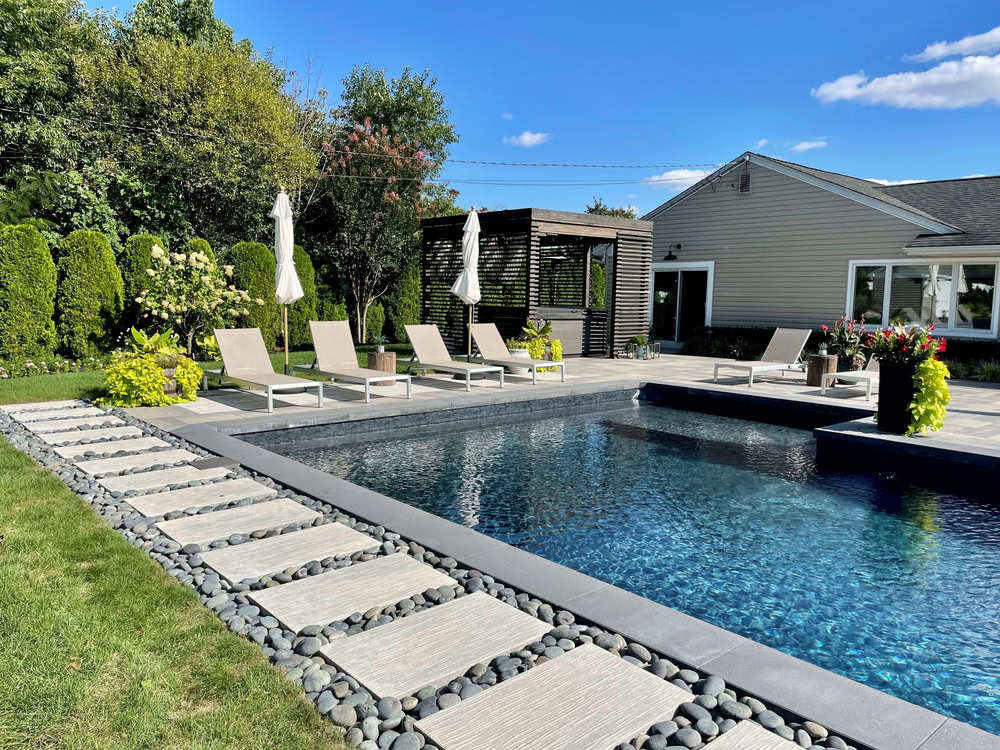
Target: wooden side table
{"points": [[819, 364], [385, 362]]}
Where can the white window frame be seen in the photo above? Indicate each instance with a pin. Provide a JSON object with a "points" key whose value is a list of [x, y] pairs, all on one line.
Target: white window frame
{"points": [[677, 265], [952, 302]]}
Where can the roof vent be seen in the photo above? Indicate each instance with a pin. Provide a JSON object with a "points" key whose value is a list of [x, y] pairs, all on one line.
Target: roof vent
{"points": [[744, 183]]}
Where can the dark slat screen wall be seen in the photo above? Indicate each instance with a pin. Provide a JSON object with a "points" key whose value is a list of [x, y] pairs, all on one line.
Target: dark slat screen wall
{"points": [[633, 263]]}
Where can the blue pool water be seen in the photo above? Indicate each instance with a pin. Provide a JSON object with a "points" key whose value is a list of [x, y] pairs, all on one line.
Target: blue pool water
{"points": [[729, 521]]}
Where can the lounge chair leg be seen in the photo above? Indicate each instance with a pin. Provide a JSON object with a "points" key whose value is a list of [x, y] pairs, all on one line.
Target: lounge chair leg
{"points": [[750, 381], [822, 388], [868, 391], [320, 389], [534, 375], [368, 391], [468, 381], [409, 387], [270, 400], [715, 378], [562, 369], [501, 377]]}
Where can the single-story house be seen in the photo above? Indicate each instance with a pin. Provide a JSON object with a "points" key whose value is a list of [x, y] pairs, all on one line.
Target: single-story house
{"points": [[765, 242]]}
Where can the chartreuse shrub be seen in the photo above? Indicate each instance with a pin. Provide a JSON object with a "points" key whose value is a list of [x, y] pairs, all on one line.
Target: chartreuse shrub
{"points": [[303, 310], [253, 270], [403, 303], [90, 293], [930, 398], [135, 259], [136, 379], [27, 293]]}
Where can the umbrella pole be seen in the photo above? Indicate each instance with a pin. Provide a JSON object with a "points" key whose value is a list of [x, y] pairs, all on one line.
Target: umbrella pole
{"points": [[469, 337], [284, 315]]}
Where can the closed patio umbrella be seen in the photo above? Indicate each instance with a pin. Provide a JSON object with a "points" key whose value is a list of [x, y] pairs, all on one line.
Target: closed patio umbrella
{"points": [[287, 288], [466, 286]]}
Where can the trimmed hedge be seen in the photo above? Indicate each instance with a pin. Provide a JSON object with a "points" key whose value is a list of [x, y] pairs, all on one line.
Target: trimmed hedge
{"points": [[375, 320], [27, 293], [198, 245], [90, 294], [403, 303], [302, 311], [253, 270], [134, 261]]}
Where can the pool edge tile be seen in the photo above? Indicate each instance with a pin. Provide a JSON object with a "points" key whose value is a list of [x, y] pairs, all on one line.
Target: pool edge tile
{"points": [[954, 734]]}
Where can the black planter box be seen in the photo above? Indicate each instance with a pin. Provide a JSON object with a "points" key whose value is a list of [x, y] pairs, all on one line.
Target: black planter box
{"points": [[895, 393]]}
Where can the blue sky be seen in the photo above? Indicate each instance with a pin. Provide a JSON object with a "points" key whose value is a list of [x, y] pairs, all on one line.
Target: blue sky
{"points": [[671, 84]]}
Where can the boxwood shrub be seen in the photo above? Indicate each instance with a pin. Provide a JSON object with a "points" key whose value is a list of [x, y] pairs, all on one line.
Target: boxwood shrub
{"points": [[253, 270], [403, 303], [90, 294], [27, 293], [198, 245], [133, 263], [303, 310]]}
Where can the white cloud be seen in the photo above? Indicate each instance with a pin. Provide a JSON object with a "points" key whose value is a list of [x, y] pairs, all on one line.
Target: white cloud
{"points": [[949, 85], [506, 116], [635, 209], [968, 45], [892, 182], [527, 139], [676, 179], [808, 145], [971, 176], [761, 143]]}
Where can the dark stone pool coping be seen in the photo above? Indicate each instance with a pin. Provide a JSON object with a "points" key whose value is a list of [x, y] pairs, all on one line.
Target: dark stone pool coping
{"points": [[855, 711]]}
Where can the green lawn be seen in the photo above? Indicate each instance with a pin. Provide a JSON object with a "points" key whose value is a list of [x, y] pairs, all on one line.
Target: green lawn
{"points": [[90, 384], [100, 648]]}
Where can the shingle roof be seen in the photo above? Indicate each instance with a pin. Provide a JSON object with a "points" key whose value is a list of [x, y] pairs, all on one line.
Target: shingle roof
{"points": [[972, 204]]}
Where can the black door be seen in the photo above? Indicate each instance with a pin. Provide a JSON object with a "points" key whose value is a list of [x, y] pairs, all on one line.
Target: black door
{"points": [[694, 290]]}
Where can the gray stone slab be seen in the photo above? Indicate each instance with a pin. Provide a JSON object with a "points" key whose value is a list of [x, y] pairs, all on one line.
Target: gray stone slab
{"points": [[666, 630], [34, 416], [322, 599], [434, 646], [154, 480], [212, 493], [112, 446], [75, 436], [587, 699], [48, 405], [848, 708], [58, 425], [286, 551], [749, 735], [221, 524], [954, 735], [141, 461]]}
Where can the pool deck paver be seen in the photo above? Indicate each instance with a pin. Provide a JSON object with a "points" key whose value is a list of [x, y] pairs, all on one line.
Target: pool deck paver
{"points": [[211, 493], [587, 699], [220, 524], [75, 436], [112, 446], [956, 735], [326, 598], [152, 480], [139, 461], [286, 550], [430, 648]]}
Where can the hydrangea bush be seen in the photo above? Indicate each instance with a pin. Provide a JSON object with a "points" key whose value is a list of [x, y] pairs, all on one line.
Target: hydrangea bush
{"points": [[190, 293]]}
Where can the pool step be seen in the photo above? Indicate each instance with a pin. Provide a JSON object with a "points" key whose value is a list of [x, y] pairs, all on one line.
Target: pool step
{"points": [[221, 524], [57, 425], [75, 436], [141, 461], [154, 480], [749, 735], [112, 446], [434, 646], [287, 551], [36, 416], [588, 699], [212, 493], [320, 600]]}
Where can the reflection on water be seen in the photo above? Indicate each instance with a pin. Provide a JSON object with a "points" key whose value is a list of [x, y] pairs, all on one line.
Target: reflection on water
{"points": [[729, 521]]}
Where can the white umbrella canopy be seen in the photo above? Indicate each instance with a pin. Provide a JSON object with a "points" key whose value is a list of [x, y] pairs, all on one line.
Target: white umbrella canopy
{"points": [[287, 288], [466, 286]]}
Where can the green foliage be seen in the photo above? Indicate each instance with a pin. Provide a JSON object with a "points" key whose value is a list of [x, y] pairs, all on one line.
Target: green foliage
{"points": [[959, 370], [598, 286], [49, 364], [533, 330], [403, 302], [198, 245], [600, 208], [375, 321], [90, 293], [209, 348], [135, 379], [163, 343], [188, 376], [640, 340], [253, 270], [184, 22], [303, 310], [27, 293], [930, 398], [986, 371], [133, 262], [517, 344], [334, 311]]}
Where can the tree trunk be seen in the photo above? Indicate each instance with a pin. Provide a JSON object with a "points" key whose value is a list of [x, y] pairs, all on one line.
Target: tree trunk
{"points": [[190, 342], [364, 322], [357, 320]]}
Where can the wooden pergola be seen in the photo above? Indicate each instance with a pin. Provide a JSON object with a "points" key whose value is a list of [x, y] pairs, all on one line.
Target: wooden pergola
{"points": [[587, 274]]}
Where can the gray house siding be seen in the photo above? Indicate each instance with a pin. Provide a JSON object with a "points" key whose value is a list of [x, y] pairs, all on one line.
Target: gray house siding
{"points": [[781, 252]]}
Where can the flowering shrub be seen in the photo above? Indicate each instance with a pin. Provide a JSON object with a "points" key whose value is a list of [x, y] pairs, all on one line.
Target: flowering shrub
{"points": [[188, 291], [897, 345], [931, 397], [135, 379], [50, 365], [846, 341]]}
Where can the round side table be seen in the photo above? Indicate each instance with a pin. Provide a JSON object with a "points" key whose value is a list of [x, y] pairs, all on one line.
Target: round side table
{"points": [[384, 362], [818, 365]]}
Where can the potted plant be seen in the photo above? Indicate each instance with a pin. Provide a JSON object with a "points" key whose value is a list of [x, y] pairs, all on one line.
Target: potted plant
{"points": [[518, 349], [824, 336], [165, 348], [907, 364], [847, 342], [380, 341], [640, 342]]}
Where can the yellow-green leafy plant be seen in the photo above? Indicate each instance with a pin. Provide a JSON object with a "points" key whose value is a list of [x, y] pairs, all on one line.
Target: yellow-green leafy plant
{"points": [[931, 397], [188, 376], [164, 343], [209, 347], [135, 379]]}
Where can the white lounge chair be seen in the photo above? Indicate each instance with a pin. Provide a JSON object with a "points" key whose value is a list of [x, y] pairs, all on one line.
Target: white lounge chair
{"points": [[494, 351], [246, 364], [865, 377], [430, 353], [782, 354], [335, 358]]}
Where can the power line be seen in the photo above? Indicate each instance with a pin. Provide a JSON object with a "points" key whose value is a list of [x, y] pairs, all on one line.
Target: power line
{"points": [[237, 141]]}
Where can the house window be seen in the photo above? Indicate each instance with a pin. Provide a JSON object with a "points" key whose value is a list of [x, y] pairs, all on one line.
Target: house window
{"points": [[955, 297]]}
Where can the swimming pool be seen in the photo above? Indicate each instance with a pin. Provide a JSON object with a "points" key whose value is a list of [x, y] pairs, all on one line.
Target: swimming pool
{"points": [[729, 521]]}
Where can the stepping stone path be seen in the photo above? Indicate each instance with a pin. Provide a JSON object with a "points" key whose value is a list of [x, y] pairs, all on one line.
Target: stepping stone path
{"points": [[213, 493], [432, 647], [587, 699], [59, 425], [75, 436], [154, 480], [112, 446], [285, 551], [35, 416], [749, 735], [323, 599], [45, 405], [221, 524], [141, 461]]}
